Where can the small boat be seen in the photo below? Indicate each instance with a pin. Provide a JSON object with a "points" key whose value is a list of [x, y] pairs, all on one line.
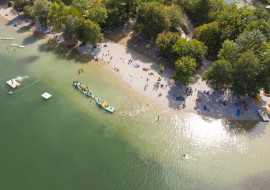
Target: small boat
{"points": [[263, 115], [17, 45], [238, 113], [256, 98], [6, 38]]}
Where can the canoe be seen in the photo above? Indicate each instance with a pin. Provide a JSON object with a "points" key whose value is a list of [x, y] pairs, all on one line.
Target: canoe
{"points": [[256, 98], [6, 38], [238, 113], [17, 45]]}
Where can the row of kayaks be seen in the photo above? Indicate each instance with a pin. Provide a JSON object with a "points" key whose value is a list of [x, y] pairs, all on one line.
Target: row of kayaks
{"points": [[87, 92], [17, 45], [6, 38]]}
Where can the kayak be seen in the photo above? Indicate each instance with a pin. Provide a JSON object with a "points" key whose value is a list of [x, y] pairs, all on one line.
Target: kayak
{"points": [[17, 45], [238, 113]]}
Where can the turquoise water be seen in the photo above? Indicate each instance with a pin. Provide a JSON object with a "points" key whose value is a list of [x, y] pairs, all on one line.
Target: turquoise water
{"points": [[67, 143]]}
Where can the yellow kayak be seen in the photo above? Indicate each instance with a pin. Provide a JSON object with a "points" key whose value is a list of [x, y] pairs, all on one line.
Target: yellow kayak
{"points": [[17, 45]]}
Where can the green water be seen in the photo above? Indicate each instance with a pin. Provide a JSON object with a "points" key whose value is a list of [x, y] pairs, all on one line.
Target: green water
{"points": [[67, 143]]}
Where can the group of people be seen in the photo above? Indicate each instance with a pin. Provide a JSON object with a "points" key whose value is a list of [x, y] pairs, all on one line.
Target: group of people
{"points": [[80, 70]]}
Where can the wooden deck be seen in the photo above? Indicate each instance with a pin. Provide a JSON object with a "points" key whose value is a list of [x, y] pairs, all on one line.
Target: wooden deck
{"points": [[13, 83]]}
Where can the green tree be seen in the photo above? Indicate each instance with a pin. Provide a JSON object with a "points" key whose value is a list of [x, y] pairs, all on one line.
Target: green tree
{"points": [[191, 48], [175, 15], [184, 69], [244, 73], [19, 5], [69, 26], [219, 76], [88, 31], [115, 11], [160, 69], [56, 15], [263, 78], [250, 41], [155, 20], [67, 2], [202, 11], [81, 5], [28, 12], [165, 43], [41, 9], [98, 14], [262, 25], [73, 11], [229, 51], [209, 34]]}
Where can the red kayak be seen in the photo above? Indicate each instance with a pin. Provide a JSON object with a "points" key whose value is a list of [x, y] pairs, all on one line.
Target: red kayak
{"points": [[71, 45]]}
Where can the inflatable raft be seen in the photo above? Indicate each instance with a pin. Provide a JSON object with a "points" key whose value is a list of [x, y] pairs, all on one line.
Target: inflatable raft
{"points": [[88, 93]]}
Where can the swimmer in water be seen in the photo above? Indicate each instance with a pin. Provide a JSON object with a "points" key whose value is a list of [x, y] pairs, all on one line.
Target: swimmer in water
{"points": [[147, 105], [123, 113], [90, 102], [184, 155], [158, 118]]}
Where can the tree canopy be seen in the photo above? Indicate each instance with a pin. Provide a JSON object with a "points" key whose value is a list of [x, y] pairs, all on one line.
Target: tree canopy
{"points": [[184, 69], [41, 9]]}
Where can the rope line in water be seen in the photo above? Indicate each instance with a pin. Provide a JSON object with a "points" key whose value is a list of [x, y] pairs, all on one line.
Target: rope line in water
{"points": [[26, 86], [4, 88], [13, 73]]}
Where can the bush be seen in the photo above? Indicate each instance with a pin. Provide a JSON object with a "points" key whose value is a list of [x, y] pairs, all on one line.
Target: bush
{"points": [[9, 4]]}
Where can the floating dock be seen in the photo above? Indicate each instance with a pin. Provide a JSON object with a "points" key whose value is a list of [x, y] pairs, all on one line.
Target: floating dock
{"points": [[46, 95], [13, 83]]}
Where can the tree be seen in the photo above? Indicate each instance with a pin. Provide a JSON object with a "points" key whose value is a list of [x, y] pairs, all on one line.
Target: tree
{"points": [[244, 73], [160, 69], [88, 31], [19, 5], [81, 5], [69, 26], [165, 43], [56, 15], [229, 51], [73, 11], [191, 48], [219, 76], [184, 69], [175, 15], [115, 11], [250, 41], [98, 14], [210, 35], [202, 11], [28, 12], [263, 78], [262, 25], [155, 21], [41, 9]]}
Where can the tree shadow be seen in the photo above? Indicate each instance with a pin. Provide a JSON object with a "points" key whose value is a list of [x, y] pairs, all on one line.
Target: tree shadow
{"points": [[62, 52], [33, 38], [258, 181]]}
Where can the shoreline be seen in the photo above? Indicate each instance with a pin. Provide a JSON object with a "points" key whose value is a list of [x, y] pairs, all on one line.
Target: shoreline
{"points": [[135, 78]]}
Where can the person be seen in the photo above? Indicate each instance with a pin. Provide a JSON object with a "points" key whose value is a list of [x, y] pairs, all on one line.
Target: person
{"points": [[11, 81], [82, 70], [79, 71], [184, 155], [147, 105], [7, 47], [90, 102], [147, 79], [14, 49], [158, 117]]}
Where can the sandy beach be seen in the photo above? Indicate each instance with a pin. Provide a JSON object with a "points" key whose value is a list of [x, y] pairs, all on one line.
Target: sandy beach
{"points": [[136, 78]]}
